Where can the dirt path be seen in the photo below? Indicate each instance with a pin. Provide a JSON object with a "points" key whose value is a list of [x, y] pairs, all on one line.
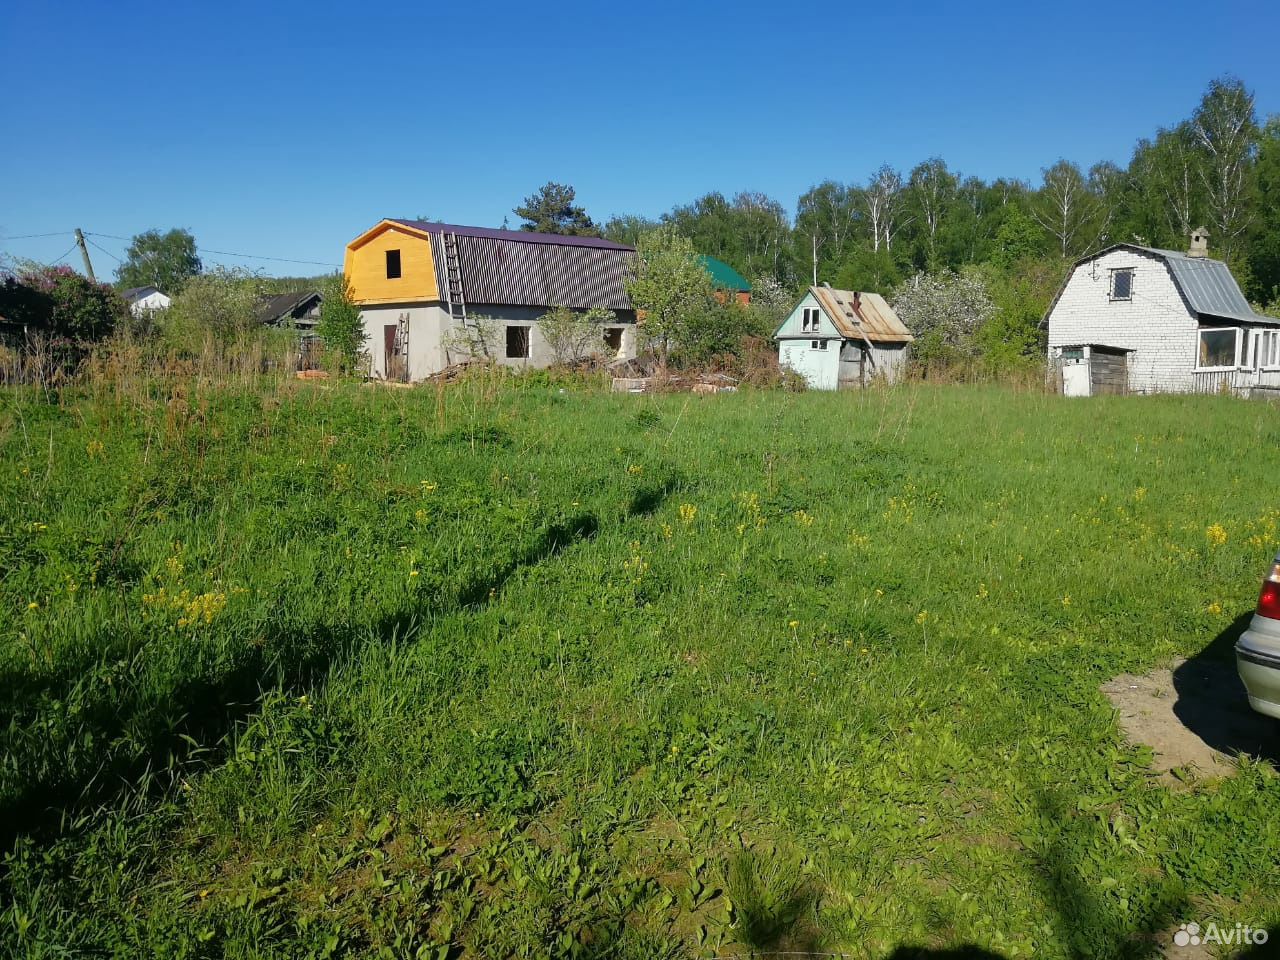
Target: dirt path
{"points": [[1193, 714]]}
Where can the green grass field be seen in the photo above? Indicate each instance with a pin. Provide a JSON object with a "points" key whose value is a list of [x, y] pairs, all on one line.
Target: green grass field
{"points": [[526, 669]]}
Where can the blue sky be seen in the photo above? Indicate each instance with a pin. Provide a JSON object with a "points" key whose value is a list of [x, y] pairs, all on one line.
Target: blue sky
{"points": [[284, 129]]}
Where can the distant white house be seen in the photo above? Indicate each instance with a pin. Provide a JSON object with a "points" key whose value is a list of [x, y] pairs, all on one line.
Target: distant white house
{"points": [[144, 300], [842, 338], [1134, 319]]}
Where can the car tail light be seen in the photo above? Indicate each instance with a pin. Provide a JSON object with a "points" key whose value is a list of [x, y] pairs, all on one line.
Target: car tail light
{"points": [[1269, 599]]}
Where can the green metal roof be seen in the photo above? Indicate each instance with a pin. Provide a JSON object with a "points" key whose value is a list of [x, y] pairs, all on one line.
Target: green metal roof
{"points": [[723, 275]]}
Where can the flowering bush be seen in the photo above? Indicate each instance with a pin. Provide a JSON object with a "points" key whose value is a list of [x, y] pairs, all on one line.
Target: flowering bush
{"points": [[59, 302]]}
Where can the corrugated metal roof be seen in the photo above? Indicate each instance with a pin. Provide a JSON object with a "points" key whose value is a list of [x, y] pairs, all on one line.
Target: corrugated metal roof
{"points": [[723, 275], [505, 267], [857, 315], [272, 308], [1208, 285], [517, 236]]}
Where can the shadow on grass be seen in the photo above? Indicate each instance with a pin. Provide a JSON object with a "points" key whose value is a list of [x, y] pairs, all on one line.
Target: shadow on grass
{"points": [[1213, 705], [1082, 919], [158, 738]]}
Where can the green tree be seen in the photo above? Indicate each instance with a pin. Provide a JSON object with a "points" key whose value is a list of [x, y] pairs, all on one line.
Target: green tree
{"points": [[340, 325], [627, 227], [670, 289], [552, 210], [1264, 248], [165, 261], [574, 336]]}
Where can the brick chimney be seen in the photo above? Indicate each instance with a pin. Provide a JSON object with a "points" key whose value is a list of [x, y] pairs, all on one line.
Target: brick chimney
{"points": [[1199, 243]]}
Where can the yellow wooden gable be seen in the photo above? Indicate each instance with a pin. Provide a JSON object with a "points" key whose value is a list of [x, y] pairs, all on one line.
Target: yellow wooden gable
{"points": [[366, 265]]}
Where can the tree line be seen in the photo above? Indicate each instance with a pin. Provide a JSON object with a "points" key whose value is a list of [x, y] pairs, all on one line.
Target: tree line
{"points": [[1219, 168]]}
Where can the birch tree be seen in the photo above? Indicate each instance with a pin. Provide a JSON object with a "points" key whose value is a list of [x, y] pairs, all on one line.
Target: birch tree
{"points": [[933, 188], [883, 203], [1065, 206], [1226, 132]]}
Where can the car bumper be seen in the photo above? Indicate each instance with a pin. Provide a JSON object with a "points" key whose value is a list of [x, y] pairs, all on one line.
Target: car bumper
{"points": [[1258, 661]]}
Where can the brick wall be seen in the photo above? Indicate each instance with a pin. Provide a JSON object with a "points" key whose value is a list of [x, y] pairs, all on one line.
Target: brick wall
{"points": [[1155, 324]]}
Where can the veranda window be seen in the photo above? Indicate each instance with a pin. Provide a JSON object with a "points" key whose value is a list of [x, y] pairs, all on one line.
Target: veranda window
{"points": [[1219, 348], [1267, 354]]}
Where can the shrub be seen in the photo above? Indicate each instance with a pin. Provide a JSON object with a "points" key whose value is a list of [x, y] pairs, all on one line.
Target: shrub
{"points": [[340, 325], [58, 302]]}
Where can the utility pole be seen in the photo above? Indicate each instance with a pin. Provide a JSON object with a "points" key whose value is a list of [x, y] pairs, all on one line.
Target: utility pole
{"points": [[84, 252], [815, 259]]}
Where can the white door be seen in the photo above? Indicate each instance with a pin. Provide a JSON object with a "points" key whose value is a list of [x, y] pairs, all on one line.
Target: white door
{"points": [[1075, 378]]}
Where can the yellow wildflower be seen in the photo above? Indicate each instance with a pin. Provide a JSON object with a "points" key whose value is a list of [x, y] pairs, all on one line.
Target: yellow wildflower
{"points": [[687, 512], [921, 617], [1216, 535]]}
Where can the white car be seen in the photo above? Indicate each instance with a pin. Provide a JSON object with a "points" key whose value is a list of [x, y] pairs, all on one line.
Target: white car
{"points": [[1258, 649]]}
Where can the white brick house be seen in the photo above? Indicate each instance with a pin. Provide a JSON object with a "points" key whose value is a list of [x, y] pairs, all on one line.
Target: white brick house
{"points": [[1142, 320]]}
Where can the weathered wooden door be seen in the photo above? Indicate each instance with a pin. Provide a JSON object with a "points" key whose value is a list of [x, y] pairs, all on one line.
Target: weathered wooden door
{"points": [[396, 360]]}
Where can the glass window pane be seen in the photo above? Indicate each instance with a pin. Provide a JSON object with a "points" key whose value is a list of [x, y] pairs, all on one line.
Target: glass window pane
{"points": [[1218, 348], [1122, 284]]}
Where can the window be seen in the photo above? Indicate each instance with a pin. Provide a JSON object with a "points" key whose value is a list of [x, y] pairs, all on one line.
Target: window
{"points": [[818, 345], [810, 319], [1268, 352], [393, 264], [517, 343], [1219, 349], [613, 338], [1122, 284]]}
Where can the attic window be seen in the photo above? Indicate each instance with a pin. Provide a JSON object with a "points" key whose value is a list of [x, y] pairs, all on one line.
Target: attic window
{"points": [[1122, 284], [810, 319], [393, 264]]}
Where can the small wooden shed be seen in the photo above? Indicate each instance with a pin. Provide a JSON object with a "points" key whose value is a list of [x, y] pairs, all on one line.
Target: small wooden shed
{"points": [[842, 338]]}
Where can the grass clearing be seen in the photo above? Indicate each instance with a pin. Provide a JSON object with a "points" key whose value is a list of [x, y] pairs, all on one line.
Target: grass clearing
{"points": [[526, 669]]}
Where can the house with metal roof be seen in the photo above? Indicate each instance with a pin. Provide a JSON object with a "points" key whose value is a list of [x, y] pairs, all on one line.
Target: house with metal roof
{"points": [[842, 338], [1135, 319], [145, 300], [726, 280], [434, 294], [299, 309]]}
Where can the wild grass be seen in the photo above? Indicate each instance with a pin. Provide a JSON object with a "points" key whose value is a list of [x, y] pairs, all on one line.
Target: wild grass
{"points": [[518, 668]]}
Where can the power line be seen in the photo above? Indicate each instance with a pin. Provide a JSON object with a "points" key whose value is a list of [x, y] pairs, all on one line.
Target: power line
{"points": [[230, 253], [33, 236], [65, 255], [106, 251], [254, 256]]}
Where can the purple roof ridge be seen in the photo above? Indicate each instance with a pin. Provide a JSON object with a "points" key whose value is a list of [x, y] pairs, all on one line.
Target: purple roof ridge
{"points": [[521, 236]]}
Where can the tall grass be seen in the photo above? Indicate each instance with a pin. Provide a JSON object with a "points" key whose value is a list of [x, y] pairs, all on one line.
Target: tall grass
{"points": [[510, 668]]}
